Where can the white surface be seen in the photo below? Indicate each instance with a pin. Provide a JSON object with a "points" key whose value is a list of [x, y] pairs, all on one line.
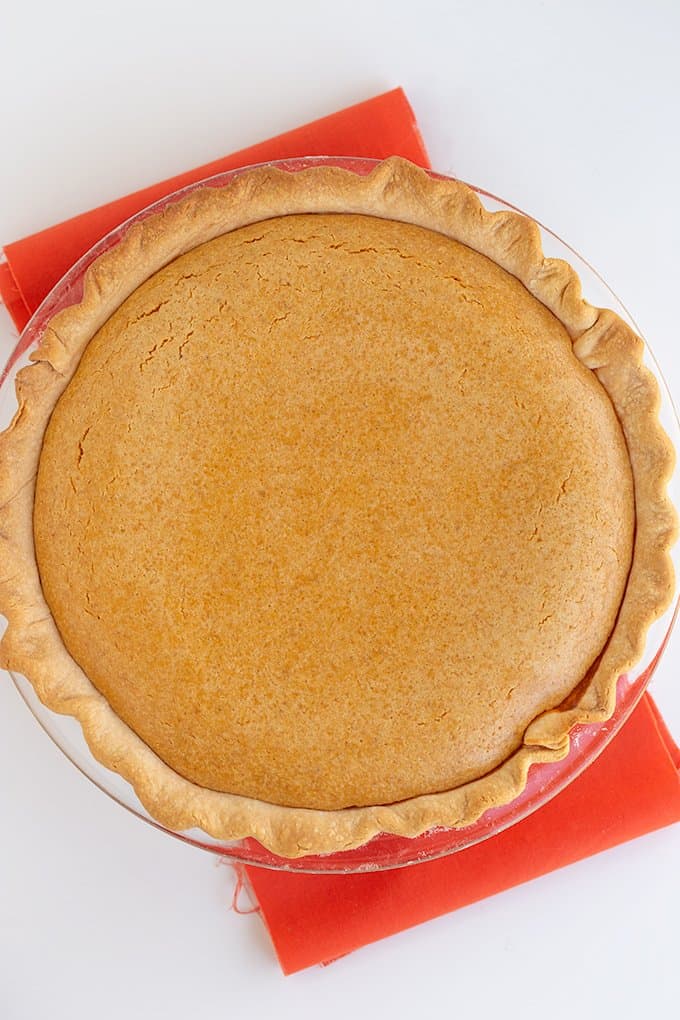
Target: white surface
{"points": [[570, 111]]}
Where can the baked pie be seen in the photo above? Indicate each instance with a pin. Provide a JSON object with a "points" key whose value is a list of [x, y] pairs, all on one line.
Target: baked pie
{"points": [[332, 507]]}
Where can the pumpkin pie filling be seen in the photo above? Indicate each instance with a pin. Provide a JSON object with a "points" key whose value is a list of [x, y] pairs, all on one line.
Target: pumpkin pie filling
{"points": [[330, 512]]}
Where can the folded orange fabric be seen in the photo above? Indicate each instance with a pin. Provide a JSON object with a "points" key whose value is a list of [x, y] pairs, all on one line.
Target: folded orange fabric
{"points": [[633, 788]]}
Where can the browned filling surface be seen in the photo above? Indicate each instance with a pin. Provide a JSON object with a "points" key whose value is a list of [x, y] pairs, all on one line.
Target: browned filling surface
{"points": [[330, 512]]}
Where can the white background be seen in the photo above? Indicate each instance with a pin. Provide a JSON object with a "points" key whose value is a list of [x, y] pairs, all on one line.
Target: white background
{"points": [[570, 110]]}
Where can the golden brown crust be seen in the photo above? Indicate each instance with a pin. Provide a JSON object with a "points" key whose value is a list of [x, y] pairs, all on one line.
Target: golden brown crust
{"points": [[395, 190]]}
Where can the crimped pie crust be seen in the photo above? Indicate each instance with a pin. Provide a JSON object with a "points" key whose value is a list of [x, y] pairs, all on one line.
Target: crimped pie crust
{"points": [[316, 818]]}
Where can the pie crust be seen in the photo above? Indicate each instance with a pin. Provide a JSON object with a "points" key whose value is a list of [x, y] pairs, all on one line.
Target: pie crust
{"points": [[402, 194]]}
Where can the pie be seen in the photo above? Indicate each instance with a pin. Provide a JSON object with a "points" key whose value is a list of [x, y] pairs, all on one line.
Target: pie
{"points": [[331, 507]]}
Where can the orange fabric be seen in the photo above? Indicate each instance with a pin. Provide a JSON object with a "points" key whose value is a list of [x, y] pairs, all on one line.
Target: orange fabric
{"points": [[634, 786], [12, 297]]}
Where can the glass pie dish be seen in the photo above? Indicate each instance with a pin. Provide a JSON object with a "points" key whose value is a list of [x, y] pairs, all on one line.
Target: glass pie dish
{"points": [[383, 851]]}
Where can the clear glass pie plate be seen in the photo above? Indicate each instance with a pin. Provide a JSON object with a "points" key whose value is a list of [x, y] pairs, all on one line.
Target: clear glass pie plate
{"points": [[384, 851]]}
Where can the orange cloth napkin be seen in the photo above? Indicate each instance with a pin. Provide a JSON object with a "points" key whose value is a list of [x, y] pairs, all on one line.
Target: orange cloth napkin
{"points": [[633, 788]]}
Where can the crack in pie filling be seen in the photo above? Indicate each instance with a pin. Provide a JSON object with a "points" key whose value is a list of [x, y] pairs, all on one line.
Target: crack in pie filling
{"points": [[331, 507]]}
